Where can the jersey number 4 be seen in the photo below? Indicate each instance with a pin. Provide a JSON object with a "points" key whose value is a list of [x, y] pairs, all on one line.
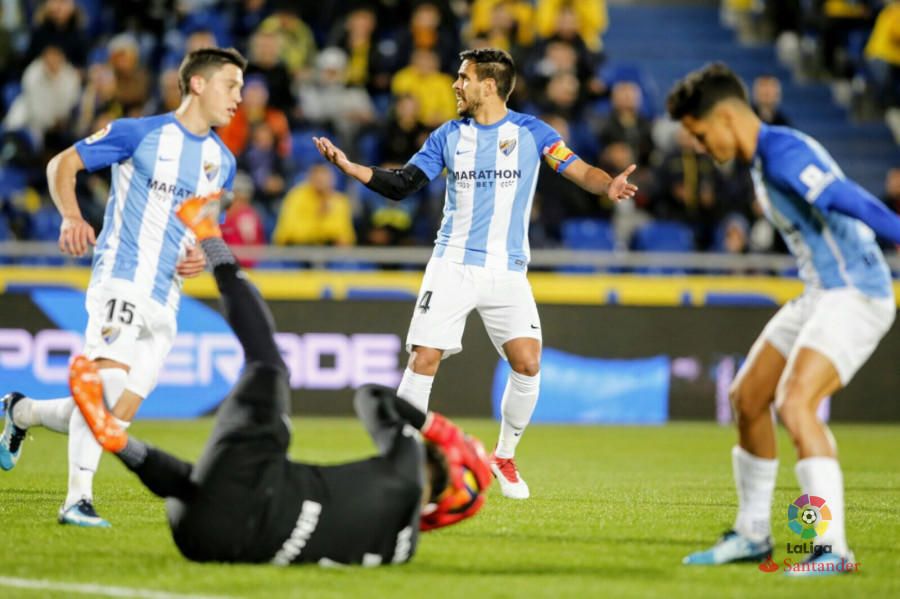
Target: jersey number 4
{"points": [[425, 304], [125, 311]]}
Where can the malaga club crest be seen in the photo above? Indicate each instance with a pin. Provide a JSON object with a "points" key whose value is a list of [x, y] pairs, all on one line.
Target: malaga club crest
{"points": [[210, 169], [110, 334], [98, 135], [507, 146]]}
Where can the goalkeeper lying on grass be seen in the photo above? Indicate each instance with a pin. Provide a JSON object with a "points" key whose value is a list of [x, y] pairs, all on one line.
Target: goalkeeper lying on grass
{"points": [[245, 501]]}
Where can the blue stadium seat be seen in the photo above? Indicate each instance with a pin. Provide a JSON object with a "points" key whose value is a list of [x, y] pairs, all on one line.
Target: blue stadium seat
{"points": [[588, 234], [663, 236], [44, 225], [10, 92]]}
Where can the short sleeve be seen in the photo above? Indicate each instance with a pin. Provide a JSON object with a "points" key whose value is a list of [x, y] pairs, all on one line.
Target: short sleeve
{"points": [[228, 184], [113, 143], [430, 158], [793, 165], [554, 150]]}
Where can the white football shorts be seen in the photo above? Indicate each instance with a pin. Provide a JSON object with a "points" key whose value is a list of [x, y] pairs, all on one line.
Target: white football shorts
{"points": [[450, 291], [843, 324], [127, 326]]}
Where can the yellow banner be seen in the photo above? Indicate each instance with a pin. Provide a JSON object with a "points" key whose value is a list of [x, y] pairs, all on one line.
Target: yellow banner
{"points": [[549, 288]]}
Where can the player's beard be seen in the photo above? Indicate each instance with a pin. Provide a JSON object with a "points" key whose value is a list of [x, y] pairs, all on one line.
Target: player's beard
{"points": [[469, 107]]}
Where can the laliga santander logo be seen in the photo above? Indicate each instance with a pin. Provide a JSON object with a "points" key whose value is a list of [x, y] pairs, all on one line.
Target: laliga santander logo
{"points": [[808, 516]]}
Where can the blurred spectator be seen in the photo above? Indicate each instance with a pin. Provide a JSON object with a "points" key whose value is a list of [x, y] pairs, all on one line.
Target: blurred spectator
{"points": [[7, 56], [328, 102], [253, 110], [735, 231], [432, 89], [561, 96], [314, 213], [368, 64], [59, 23], [199, 39], [882, 54], [99, 97], [404, 134], [265, 165], [132, 79], [506, 24], [142, 16], [625, 123], [246, 17], [685, 188], [50, 90], [629, 214], [298, 45], [767, 100], [243, 225], [557, 199], [169, 92], [427, 31], [265, 60], [839, 20], [587, 18]]}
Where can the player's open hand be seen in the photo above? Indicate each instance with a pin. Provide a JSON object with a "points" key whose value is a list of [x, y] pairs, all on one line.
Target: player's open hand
{"points": [[332, 153], [619, 188], [193, 263], [75, 235]]}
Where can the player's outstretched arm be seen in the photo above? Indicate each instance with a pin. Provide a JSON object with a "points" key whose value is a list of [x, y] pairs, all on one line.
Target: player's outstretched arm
{"points": [[849, 198], [394, 184], [337, 157], [599, 182], [75, 234]]}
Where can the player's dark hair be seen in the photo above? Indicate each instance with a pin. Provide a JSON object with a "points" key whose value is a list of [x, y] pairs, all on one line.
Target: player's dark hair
{"points": [[496, 64], [204, 61], [697, 93]]}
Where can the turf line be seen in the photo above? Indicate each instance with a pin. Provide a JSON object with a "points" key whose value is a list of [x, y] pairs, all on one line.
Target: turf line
{"points": [[94, 589]]}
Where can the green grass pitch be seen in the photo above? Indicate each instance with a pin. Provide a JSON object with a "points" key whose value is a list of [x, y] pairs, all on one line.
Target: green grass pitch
{"points": [[613, 511]]}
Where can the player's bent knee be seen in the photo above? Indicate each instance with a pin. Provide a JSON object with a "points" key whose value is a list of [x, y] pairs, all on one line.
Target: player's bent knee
{"points": [[793, 415], [425, 360], [748, 403], [527, 367]]}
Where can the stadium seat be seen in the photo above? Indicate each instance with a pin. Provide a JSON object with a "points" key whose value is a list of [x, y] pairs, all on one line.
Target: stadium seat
{"points": [[588, 234], [44, 225], [10, 92], [663, 236]]}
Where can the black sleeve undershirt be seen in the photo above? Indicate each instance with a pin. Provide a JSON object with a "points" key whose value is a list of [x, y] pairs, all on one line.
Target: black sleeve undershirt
{"points": [[397, 183]]}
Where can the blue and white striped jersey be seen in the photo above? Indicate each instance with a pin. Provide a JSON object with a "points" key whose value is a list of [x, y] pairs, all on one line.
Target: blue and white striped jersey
{"points": [[790, 172], [491, 176], [156, 165]]}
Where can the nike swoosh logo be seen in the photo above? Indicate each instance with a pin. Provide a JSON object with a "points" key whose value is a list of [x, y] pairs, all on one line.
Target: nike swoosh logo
{"points": [[534, 327], [166, 159], [517, 434], [458, 153]]}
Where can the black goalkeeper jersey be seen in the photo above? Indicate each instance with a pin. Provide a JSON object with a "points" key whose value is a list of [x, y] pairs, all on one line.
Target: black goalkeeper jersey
{"points": [[364, 512]]}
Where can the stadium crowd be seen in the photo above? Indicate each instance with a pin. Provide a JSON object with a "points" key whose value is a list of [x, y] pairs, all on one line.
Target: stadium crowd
{"points": [[375, 76]]}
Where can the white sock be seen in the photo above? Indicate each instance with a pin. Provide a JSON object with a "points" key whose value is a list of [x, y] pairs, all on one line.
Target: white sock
{"points": [[754, 478], [519, 399], [49, 413], [822, 477], [84, 451], [415, 388]]}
